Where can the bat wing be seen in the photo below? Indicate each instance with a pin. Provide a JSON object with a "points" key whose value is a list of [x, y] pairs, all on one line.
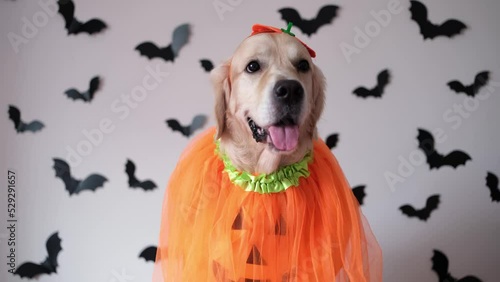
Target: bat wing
{"points": [[431, 204], [332, 140], [176, 126], [92, 26], [426, 141], [62, 168], [456, 158], [383, 78], [325, 16], [206, 65], [94, 84], [456, 86], [149, 50], [480, 80], [74, 94], [291, 15], [197, 123], [53, 246], [15, 116], [34, 126], [92, 182], [149, 253], [180, 38], [147, 185], [419, 15], [440, 266], [359, 193], [130, 170], [63, 172], [31, 270], [451, 28], [362, 92], [492, 184], [408, 210], [67, 10]]}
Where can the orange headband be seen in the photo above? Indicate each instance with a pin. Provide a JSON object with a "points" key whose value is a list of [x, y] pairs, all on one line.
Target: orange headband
{"points": [[258, 28]]}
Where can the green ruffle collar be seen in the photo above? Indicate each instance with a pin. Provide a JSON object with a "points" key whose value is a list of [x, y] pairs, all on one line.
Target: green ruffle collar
{"points": [[275, 182]]}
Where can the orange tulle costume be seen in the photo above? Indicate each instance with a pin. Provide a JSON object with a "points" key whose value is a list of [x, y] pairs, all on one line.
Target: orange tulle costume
{"points": [[302, 224]]}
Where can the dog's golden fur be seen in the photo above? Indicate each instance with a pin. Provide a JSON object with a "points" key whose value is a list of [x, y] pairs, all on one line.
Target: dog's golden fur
{"points": [[240, 95]]}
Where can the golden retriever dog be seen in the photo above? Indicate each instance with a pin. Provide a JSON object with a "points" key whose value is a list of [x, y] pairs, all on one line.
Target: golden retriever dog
{"points": [[260, 197]]}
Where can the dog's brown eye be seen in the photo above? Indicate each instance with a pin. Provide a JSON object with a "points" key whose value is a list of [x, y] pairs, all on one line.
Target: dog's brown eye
{"points": [[303, 66], [253, 66]]}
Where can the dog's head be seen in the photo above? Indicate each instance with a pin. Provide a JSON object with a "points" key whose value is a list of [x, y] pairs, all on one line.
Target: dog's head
{"points": [[269, 96]]}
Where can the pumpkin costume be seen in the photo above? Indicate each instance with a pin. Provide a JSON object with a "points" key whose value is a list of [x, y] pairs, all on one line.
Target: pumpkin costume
{"points": [[222, 225], [300, 223]]}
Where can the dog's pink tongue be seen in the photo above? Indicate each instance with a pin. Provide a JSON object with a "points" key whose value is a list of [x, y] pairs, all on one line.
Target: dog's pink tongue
{"points": [[285, 138]]}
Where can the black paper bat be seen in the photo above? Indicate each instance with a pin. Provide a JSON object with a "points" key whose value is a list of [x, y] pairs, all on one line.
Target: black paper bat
{"points": [[198, 122], [325, 16], [86, 96], [75, 186], [435, 159], [423, 213], [206, 65], [449, 28], [480, 80], [332, 140], [440, 266], [19, 125], [67, 10], [492, 184], [383, 79], [149, 253], [179, 39], [359, 193], [133, 182], [48, 266]]}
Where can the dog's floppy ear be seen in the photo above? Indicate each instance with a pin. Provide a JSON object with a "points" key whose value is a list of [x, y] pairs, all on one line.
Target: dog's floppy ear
{"points": [[222, 89], [318, 101]]}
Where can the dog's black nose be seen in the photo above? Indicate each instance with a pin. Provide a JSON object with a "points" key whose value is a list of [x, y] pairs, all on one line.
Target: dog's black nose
{"points": [[289, 91]]}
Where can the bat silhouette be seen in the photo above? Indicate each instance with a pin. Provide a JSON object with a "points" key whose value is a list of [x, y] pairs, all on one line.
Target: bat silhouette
{"points": [[72, 25], [440, 266], [359, 193], [325, 16], [198, 122], [75, 186], [332, 140], [480, 80], [19, 125], [423, 213], [206, 65], [179, 39], [86, 96], [383, 79], [48, 266], [133, 182], [435, 159], [449, 28], [149, 253], [492, 184]]}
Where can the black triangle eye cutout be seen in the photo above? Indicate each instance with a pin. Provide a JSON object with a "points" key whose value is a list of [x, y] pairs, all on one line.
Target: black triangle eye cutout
{"points": [[238, 222], [255, 257], [280, 227]]}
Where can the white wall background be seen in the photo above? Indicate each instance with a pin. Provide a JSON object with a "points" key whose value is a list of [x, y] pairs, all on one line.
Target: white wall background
{"points": [[103, 232]]}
